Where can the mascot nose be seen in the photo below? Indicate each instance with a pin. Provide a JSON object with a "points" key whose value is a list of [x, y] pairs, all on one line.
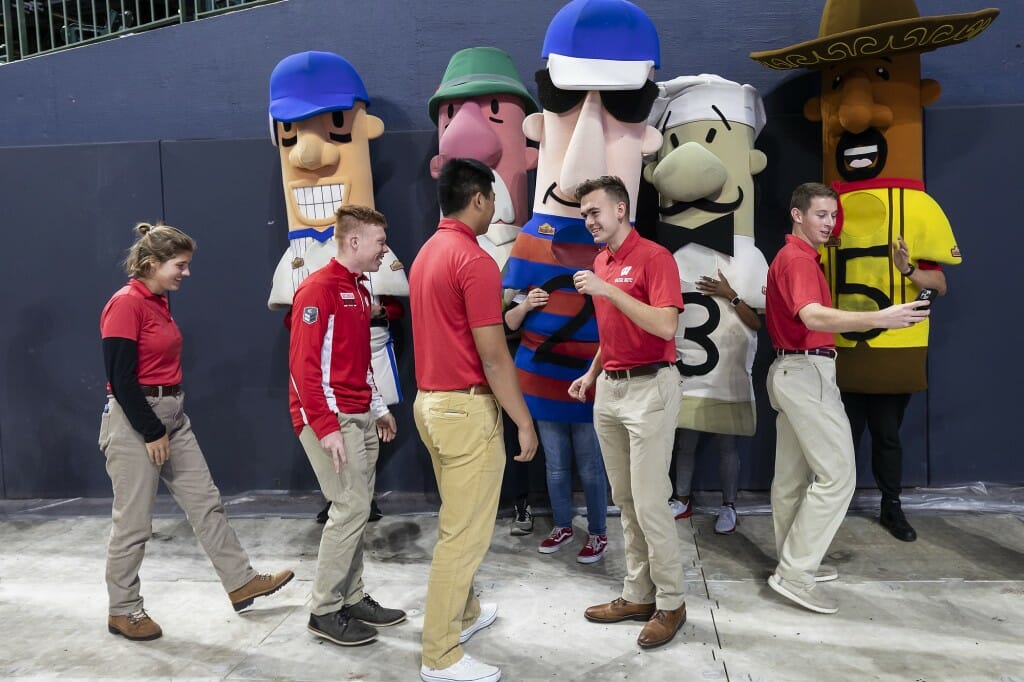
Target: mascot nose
{"points": [[312, 152], [857, 108], [585, 156], [690, 172], [469, 135]]}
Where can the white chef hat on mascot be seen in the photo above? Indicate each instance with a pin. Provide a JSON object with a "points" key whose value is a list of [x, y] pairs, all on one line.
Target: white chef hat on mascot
{"points": [[694, 98]]}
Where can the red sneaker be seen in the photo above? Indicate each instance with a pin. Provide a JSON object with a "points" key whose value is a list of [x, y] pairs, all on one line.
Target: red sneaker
{"points": [[553, 543], [681, 510], [593, 550]]}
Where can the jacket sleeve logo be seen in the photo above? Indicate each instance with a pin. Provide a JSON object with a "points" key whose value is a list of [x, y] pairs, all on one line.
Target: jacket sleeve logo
{"points": [[310, 315]]}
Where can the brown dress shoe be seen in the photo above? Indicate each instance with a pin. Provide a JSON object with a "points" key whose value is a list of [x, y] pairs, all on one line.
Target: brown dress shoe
{"points": [[137, 626], [618, 610], [260, 586], [662, 627]]}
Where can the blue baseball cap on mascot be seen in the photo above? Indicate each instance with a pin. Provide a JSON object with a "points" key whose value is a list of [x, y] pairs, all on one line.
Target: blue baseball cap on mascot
{"points": [[601, 45], [310, 83]]}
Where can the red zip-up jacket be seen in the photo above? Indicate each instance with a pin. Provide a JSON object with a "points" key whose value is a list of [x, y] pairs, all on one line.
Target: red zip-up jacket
{"points": [[329, 351]]}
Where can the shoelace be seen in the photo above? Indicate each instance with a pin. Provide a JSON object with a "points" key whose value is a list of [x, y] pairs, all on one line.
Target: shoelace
{"points": [[371, 602], [594, 542], [263, 578], [138, 616]]}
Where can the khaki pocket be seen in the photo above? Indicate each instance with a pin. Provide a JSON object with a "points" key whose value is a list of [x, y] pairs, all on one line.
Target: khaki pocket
{"points": [[104, 438]]}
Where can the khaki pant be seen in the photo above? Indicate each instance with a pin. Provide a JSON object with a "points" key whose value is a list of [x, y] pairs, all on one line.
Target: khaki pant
{"points": [[135, 480], [815, 469], [463, 434], [339, 564], [635, 421]]}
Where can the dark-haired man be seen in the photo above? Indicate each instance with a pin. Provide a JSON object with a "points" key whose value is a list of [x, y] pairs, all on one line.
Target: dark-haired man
{"points": [[338, 415], [465, 377], [637, 300], [813, 439]]}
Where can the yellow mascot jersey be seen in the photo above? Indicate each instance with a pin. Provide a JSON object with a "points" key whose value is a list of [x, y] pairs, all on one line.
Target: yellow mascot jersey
{"points": [[859, 268]]}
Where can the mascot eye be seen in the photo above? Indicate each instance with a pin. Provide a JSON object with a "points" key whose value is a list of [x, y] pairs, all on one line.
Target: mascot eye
{"points": [[338, 118], [286, 126], [882, 73], [674, 140], [836, 82], [494, 106], [711, 135], [451, 110]]}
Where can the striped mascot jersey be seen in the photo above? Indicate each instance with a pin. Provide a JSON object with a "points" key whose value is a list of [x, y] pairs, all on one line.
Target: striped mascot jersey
{"points": [[560, 339]]}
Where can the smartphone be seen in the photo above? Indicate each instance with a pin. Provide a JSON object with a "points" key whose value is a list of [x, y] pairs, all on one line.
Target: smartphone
{"points": [[925, 295]]}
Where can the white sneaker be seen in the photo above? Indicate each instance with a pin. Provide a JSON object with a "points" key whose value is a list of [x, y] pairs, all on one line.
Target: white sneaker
{"points": [[726, 522], [467, 669], [488, 614], [680, 510]]}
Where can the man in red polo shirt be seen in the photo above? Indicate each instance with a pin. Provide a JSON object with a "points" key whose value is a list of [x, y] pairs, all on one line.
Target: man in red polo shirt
{"points": [[637, 299], [339, 415], [465, 376], [813, 439]]}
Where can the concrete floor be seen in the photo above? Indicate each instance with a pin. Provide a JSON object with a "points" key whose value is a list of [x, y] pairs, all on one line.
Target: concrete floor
{"points": [[947, 607]]}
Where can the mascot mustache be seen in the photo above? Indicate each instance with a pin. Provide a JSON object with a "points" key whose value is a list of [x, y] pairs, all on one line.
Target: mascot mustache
{"points": [[678, 207]]}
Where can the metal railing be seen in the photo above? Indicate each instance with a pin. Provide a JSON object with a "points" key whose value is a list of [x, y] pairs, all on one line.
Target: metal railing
{"points": [[33, 27]]}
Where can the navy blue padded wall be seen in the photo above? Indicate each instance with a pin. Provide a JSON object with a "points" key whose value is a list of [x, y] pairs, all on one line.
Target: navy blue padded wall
{"points": [[972, 167], [84, 201], [69, 214], [209, 78], [227, 195]]}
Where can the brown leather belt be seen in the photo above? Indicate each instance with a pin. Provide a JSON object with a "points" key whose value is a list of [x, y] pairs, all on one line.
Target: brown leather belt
{"points": [[824, 352], [160, 391], [638, 371]]}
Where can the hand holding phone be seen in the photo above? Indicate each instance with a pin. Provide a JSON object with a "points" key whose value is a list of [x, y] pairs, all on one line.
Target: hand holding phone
{"points": [[926, 296]]}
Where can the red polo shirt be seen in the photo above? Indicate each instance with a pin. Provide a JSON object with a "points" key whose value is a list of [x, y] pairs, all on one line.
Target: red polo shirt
{"points": [[134, 312], [647, 272], [329, 349], [795, 279], [454, 286]]}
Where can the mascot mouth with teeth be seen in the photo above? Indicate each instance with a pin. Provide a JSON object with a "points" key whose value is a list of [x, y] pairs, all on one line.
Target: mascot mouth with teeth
{"points": [[871, 110], [318, 122], [891, 239]]}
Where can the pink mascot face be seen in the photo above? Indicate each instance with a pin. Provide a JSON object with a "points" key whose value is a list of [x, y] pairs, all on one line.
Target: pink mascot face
{"points": [[595, 93], [587, 133], [489, 128]]}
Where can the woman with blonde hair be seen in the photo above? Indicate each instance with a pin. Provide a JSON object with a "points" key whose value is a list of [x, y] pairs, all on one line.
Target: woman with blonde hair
{"points": [[147, 437]]}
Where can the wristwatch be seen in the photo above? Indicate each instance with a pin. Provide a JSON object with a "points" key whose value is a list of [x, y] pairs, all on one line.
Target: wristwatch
{"points": [[736, 301]]}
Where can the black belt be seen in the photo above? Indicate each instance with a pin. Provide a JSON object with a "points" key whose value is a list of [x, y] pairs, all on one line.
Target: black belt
{"points": [[638, 371], [478, 389], [379, 322], [160, 391], [824, 352]]}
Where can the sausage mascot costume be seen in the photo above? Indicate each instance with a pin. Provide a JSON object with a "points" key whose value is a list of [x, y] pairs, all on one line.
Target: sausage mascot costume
{"points": [[892, 239]]}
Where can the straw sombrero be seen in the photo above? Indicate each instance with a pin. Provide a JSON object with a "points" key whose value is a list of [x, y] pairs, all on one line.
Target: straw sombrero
{"points": [[855, 29]]}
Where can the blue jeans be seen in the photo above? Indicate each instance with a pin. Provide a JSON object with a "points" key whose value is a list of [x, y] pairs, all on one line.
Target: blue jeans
{"points": [[561, 440]]}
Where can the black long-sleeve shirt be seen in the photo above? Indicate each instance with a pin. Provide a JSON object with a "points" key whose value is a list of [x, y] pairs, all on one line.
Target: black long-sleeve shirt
{"points": [[121, 359]]}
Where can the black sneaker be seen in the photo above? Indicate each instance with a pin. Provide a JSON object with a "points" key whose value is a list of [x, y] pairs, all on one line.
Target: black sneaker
{"points": [[341, 628], [522, 520], [372, 613], [321, 518], [893, 520], [375, 513]]}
